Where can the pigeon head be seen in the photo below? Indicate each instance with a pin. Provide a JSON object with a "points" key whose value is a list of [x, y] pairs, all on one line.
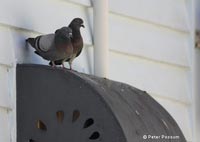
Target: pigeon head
{"points": [[64, 33], [76, 23]]}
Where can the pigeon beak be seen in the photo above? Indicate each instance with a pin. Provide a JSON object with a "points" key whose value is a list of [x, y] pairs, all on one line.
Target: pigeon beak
{"points": [[82, 26]]}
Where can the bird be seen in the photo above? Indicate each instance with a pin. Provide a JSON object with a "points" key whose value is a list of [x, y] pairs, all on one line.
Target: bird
{"points": [[54, 46], [76, 39]]}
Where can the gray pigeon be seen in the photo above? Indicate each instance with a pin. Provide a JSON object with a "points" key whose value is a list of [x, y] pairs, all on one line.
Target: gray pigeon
{"points": [[76, 39], [55, 46]]}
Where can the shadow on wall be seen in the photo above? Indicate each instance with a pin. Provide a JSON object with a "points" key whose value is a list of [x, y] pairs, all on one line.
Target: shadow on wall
{"points": [[24, 53]]}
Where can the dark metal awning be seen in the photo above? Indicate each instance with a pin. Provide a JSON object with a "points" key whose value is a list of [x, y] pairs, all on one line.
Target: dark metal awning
{"points": [[56, 105]]}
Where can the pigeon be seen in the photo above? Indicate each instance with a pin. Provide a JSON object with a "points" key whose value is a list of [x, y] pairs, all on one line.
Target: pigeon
{"points": [[76, 39], [55, 46]]}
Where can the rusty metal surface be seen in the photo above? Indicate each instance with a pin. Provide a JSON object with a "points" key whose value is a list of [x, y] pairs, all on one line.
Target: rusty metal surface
{"points": [[56, 105]]}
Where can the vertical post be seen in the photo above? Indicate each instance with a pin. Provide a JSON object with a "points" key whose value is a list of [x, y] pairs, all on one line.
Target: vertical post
{"points": [[101, 37]]}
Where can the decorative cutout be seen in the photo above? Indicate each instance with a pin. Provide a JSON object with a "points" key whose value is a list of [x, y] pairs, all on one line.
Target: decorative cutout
{"points": [[76, 115], [41, 125], [60, 116], [94, 136], [88, 123]]}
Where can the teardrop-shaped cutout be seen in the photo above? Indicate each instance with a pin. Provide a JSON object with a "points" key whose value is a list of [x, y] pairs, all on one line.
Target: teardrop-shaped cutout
{"points": [[88, 123], [60, 116], [31, 140], [41, 125], [76, 115], [94, 136]]}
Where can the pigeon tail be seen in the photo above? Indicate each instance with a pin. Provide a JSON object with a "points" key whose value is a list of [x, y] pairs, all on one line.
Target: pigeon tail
{"points": [[31, 41], [50, 63]]}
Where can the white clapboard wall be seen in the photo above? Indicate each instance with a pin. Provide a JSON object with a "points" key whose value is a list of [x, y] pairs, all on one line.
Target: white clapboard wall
{"points": [[151, 48]]}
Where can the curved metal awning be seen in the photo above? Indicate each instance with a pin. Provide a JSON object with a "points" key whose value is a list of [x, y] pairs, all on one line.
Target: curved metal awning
{"points": [[56, 105]]}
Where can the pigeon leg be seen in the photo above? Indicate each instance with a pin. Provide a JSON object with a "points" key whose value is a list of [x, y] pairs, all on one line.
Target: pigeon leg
{"points": [[53, 64], [70, 65], [63, 66]]}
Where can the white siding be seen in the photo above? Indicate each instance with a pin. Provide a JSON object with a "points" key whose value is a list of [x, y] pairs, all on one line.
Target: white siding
{"points": [[6, 53], [169, 13], [148, 41], [7, 87], [4, 93], [156, 78], [42, 16], [83, 2], [4, 129]]}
